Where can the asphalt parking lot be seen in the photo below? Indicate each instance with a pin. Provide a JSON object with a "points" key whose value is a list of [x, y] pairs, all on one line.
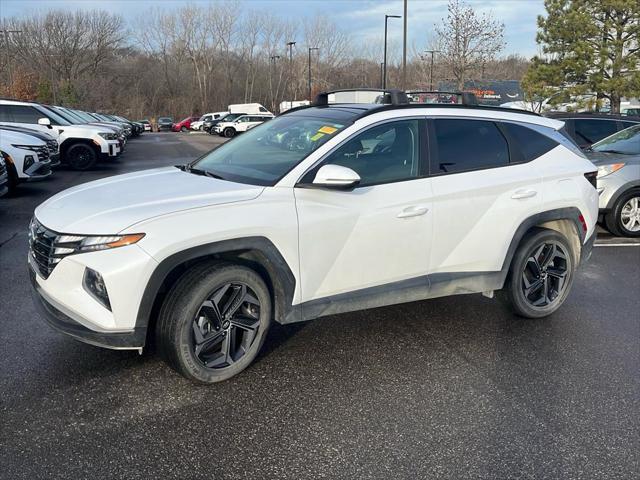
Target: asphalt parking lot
{"points": [[448, 388]]}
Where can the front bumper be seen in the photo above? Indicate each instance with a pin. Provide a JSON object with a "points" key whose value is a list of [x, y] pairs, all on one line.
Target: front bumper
{"points": [[38, 171], [62, 322]]}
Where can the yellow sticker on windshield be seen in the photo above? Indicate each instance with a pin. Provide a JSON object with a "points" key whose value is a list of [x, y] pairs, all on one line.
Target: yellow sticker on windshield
{"points": [[317, 137], [328, 130]]}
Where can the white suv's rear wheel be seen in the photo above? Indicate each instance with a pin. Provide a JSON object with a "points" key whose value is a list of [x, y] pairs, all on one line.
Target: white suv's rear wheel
{"points": [[541, 274], [214, 321]]}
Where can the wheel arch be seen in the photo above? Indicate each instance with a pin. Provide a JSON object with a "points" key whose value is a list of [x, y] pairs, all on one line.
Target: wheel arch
{"points": [[563, 220], [258, 253], [70, 142], [627, 187]]}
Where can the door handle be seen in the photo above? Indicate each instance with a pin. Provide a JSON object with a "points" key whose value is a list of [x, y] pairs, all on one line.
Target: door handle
{"points": [[524, 194], [413, 211]]}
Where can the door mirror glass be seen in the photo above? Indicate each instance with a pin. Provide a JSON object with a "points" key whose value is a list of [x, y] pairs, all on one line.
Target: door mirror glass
{"points": [[336, 176], [44, 121]]}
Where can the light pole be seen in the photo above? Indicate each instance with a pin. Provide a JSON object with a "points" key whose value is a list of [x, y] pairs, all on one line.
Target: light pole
{"points": [[290, 46], [272, 61], [432, 52], [384, 74], [310, 49], [381, 74]]}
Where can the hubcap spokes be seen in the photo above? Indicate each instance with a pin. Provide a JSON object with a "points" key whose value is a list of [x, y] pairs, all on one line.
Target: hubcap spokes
{"points": [[226, 325], [630, 214], [545, 275]]}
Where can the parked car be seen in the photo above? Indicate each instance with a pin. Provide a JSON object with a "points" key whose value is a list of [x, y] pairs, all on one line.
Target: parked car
{"points": [[51, 142], [209, 125], [184, 125], [240, 124], [322, 210], [198, 124], [4, 179], [146, 124], [165, 123], [248, 108], [26, 157], [80, 145], [589, 128], [618, 160]]}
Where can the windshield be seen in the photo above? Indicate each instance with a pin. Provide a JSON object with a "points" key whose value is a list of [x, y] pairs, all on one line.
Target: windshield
{"points": [[231, 117], [165, 119], [626, 141], [72, 116], [56, 117], [266, 153]]}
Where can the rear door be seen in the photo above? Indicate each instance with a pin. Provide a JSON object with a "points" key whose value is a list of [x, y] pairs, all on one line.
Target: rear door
{"points": [[481, 193]]}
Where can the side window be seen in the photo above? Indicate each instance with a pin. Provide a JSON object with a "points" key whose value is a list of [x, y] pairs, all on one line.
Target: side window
{"points": [[262, 109], [25, 114], [628, 124], [242, 119], [462, 145], [382, 154], [529, 143], [5, 114], [590, 130]]}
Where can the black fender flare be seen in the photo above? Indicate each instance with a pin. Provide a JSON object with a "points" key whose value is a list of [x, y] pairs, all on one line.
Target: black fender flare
{"points": [[572, 214], [260, 251]]}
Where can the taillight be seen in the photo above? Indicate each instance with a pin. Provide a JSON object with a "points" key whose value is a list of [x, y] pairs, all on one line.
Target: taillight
{"points": [[584, 223], [592, 178]]}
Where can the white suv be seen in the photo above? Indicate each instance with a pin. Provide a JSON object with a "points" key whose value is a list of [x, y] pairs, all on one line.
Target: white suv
{"points": [[80, 145], [241, 124], [325, 209], [27, 157]]}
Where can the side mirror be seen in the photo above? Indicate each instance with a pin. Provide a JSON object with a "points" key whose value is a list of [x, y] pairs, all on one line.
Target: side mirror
{"points": [[336, 176], [44, 121]]}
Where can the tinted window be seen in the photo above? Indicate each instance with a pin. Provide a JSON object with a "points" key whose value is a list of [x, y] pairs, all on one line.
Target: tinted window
{"points": [[468, 145], [528, 143], [590, 130], [24, 114], [5, 114], [382, 154], [628, 124]]}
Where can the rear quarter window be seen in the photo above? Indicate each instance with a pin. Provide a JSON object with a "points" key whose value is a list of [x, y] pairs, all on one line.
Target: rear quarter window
{"points": [[528, 144], [592, 130]]}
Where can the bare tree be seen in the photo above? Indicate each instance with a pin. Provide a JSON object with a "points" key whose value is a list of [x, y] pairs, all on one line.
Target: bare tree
{"points": [[468, 40]]}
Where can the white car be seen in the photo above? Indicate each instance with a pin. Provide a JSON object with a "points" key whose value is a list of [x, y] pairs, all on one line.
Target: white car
{"points": [[26, 157], [80, 145], [322, 210], [197, 125], [241, 124]]}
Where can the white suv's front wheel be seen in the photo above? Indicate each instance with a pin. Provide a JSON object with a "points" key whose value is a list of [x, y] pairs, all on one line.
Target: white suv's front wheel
{"points": [[541, 274], [214, 321]]}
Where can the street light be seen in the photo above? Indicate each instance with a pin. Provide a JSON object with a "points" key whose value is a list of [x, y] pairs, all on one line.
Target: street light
{"points": [[272, 61], [384, 74], [432, 52], [290, 46], [381, 74], [310, 49]]}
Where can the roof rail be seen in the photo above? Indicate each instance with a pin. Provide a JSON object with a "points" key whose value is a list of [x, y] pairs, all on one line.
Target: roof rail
{"points": [[391, 96], [463, 98]]}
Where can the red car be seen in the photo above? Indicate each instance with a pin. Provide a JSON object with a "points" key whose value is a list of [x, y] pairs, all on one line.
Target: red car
{"points": [[184, 125]]}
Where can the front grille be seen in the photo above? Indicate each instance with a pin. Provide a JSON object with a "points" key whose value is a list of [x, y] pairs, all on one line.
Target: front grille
{"points": [[41, 150], [52, 145], [41, 247]]}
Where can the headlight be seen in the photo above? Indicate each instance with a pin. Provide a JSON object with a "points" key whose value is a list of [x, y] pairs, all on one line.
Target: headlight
{"points": [[69, 244], [605, 170], [108, 136]]}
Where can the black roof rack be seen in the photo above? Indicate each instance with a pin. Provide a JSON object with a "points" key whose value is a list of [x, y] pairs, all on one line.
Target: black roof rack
{"points": [[391, 96]]}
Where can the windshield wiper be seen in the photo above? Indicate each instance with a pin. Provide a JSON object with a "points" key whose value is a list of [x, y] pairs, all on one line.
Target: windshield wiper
{"points": [[199, 171]]}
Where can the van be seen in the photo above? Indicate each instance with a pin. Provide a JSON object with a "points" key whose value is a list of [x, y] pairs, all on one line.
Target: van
{"points": [[247, 108]]}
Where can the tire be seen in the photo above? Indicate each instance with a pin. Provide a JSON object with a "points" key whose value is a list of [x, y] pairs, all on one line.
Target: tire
{"points": [[12, 180], [624, 218], [204, 346], [229, 132], [184, 129], [81, 156], [530, 272]]}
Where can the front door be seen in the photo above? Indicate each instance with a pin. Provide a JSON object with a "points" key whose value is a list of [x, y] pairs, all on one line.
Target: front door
{"points": [[377, 234]]}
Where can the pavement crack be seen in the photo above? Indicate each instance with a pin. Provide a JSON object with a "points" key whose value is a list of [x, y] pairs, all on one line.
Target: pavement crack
{"points": [[8, 239]]}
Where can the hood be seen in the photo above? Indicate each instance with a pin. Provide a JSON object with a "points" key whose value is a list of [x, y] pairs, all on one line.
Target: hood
{"points": [[85, 127], [110, 205], [604, 158], [18, 138]]}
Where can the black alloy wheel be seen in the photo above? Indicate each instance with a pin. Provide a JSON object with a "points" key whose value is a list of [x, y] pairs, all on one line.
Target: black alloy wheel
{"points": [[544, 274], [226, 325]]}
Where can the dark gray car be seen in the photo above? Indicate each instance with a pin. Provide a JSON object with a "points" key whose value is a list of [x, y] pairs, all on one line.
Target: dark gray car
{"points": [[618, 160]]}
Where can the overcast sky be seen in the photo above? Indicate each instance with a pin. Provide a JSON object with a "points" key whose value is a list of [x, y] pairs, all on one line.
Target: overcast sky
{"points": [[363, 19]]}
